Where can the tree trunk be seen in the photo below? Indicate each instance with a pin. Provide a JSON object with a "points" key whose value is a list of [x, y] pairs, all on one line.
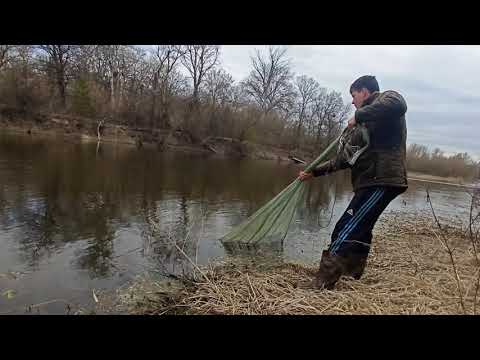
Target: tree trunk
{"points": [[154, 101], [114, 91], [61, 88], [299, 128]]}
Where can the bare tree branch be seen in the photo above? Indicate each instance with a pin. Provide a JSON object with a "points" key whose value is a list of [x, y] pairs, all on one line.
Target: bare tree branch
{"points": [[449, 250], [307, 90], [217, 86], [59, 61], [199, 60], [165, 81], [4, 54]]}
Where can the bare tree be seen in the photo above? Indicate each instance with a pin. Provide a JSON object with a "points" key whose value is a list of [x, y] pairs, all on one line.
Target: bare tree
{"points": [[237, 97], [59, 60], [217, 91], [22, 57], [4, 54], [164, 79], [135, 79], [113, 62], [217, 86], [199, 60], [19, 89], [419, 151], [269, 83], [330, 112], [307, 90], [84, 59], [100, 67]]}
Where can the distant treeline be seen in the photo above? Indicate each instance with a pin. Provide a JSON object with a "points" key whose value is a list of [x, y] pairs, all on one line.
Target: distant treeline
{"points": [[435, 162], [172, 87]]}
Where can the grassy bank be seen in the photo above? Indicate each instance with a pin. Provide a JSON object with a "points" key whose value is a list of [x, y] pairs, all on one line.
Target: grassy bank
{"points": [[409, 272]]}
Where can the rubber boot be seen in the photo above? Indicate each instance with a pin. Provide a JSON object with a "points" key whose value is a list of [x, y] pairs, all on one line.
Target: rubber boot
{"points": [[355, 265], [331, 269]]}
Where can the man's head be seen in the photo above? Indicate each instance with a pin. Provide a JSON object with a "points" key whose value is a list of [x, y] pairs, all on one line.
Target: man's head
{"points": [[362, 88]]}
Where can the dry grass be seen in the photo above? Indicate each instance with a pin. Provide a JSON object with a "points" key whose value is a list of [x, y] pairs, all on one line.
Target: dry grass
{"points": [[408, 272]]}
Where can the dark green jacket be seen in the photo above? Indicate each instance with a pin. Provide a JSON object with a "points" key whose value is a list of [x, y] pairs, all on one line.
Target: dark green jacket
{"points": [[384, 161]]}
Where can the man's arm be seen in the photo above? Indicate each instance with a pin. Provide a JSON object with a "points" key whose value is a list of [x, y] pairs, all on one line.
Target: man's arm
{"points": [[324, 168], [330, 166], [389, 104]]}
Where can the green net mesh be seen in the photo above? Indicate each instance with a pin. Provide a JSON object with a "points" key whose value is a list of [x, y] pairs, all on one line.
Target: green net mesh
{"points": [[270, 223]]}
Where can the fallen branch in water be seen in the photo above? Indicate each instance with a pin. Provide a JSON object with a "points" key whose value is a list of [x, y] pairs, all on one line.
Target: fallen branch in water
{"points": [[191, 262]]}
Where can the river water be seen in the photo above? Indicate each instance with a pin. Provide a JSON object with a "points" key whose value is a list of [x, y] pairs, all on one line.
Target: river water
{"points": [[76, 217]]}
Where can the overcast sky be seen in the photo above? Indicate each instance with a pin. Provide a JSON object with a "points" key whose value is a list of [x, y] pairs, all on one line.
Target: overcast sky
{"points": [[440, 83]]}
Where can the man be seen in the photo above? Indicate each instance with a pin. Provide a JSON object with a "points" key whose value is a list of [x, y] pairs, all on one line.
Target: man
{"points": [[378, 176]]}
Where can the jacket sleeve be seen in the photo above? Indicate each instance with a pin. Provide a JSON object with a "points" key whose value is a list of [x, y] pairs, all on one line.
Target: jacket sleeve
{"points": [[389, 104], [330, 166]]}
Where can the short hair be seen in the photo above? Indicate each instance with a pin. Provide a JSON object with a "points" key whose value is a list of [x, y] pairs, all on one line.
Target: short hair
{"points": [[368, 82]]}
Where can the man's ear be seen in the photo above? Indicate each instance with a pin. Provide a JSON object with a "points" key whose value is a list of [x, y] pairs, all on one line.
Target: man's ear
{"points": [[365, 93]]}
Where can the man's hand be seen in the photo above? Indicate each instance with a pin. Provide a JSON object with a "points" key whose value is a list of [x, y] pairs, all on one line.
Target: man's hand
{"points": [[305, 175], [351, 122]]}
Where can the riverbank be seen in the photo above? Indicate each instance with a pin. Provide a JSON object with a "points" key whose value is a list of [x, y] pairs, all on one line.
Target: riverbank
{"points": [[86, 130], [409, 271]]}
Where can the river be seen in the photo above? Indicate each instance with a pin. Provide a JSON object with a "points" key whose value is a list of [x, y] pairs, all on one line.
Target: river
{"points": [[77, 218]]}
